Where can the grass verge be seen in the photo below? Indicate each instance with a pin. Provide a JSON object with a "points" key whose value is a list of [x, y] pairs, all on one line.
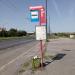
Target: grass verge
{"points": [[25, 66], [12, 38], [34, 64]]}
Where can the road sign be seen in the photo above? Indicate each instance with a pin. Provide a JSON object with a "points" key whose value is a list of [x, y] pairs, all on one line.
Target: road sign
{"points": [[40, 32], [38, 14], [42, 17], [34, 16], [35, 7]]}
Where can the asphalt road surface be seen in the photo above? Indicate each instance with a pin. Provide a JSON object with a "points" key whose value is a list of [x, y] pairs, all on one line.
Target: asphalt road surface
{"points": [[13, 53], [13, 42]]}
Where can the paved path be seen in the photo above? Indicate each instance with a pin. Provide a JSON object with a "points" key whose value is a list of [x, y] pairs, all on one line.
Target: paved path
{"points": [[65, 63]]}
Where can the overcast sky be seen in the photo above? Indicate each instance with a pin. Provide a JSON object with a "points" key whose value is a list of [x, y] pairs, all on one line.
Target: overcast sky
{"points": [[16, 14]]}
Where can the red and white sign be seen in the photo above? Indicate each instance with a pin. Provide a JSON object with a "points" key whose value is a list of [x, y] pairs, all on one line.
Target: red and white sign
{"points": [[41, 13], [36, 7], [42, 17]]}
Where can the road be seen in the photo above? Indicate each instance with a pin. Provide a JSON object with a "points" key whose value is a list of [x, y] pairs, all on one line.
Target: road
{"points": [[11, 60], [14, 53], [13, 42]]}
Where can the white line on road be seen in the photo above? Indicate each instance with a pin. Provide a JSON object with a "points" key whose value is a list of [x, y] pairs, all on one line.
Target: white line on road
{"points": [[17, 58]]}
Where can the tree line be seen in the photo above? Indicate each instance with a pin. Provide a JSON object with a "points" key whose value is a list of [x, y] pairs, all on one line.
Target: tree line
{"points": [[62, 34], [12, 33]]}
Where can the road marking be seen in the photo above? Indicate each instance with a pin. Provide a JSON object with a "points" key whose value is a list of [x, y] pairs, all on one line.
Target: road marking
{"points": [[17, 57]]}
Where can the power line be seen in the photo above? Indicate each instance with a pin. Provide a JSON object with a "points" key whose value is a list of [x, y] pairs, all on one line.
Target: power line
{"points": [[9, 4], [12, 3]]}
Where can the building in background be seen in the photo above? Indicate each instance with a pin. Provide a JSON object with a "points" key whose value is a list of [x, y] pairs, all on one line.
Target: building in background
{"points": [[72, 36]]}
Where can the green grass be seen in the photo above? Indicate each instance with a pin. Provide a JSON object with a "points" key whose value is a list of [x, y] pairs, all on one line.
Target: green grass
{"points": [[48, 57], [24, 66], [31, 64], [11, 38]]}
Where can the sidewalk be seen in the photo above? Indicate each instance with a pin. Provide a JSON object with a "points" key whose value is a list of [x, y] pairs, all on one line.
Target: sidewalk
{"points": [[64, 63]]}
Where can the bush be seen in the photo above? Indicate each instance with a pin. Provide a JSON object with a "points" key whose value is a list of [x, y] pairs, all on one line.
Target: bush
{"points": [[12, 33], [36, 63]]}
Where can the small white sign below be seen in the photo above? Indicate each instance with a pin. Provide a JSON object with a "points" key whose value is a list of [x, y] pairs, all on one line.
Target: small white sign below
{"points": [[40, 32]]}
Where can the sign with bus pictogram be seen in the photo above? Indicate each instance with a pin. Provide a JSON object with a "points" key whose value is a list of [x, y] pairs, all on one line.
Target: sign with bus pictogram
{"points": [[38, 14]]}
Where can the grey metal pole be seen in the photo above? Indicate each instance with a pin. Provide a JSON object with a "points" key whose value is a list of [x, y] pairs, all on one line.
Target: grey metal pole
{"points": [[46, 22], [49, 27]]}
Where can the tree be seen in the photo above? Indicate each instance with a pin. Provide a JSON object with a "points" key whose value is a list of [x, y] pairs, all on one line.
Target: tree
{"points": [[3, 33], [12, 32], [22, 33]]}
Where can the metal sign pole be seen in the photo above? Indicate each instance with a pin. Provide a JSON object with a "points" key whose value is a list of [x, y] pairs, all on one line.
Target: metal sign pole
{"points": [[42, 21], [41, 47]]}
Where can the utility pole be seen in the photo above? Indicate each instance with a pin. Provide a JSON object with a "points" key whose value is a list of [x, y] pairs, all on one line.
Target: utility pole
{"points": [[49, 27], [46, 21]]}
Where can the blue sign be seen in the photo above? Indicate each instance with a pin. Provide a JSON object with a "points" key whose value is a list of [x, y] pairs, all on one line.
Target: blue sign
{"points": [[34, 14]]}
